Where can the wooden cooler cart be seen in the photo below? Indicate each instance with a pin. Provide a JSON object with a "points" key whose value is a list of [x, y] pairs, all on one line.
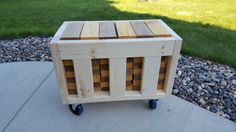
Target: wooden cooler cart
{"points": [[98, 61]]}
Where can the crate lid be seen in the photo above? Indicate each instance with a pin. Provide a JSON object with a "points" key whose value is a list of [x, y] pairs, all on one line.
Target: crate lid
{"points": [[92, 30]]}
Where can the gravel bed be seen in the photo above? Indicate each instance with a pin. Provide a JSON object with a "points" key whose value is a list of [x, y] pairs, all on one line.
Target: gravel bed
{"points": [[25, 49], [207, 84], [202, 82]]}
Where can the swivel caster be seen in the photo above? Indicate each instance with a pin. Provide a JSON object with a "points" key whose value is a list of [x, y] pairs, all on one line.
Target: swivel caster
{"points": [[152, 104], [76, 109]]}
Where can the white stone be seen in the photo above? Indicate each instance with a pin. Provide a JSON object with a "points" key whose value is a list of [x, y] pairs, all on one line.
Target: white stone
{"points": [[202, 101], [179, 73]]}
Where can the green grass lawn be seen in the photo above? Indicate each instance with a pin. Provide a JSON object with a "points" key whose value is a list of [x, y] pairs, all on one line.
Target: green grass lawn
{"points": [[208, 27]]}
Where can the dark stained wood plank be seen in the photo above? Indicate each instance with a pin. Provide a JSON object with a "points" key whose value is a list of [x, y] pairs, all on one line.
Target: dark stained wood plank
{"points": [[141, 30], [107, 30], [72, 31]]}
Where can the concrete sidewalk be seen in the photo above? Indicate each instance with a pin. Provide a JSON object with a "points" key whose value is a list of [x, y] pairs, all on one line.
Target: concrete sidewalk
{"points": [[30, 102]]}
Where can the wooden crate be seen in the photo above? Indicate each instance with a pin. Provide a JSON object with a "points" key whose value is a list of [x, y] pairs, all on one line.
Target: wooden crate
{"points": [[99, 61]]}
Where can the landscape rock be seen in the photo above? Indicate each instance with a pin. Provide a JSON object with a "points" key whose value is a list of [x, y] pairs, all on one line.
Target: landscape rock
{"points": [[175, 91], [234, 82], [213, 108], [202, 102], [212, 85]]}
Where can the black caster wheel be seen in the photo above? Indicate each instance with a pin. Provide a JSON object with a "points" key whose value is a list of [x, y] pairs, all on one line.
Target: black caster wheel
{"points": [[76, 109], [152, 104]]}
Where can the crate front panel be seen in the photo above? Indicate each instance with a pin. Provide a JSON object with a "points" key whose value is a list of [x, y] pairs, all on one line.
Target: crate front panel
{"points": [[100, 70]]}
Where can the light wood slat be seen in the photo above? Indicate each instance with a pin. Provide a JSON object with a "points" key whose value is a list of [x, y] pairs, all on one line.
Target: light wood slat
{"points": [[157, 29], [96, 66], [104, 73], [119, 49], [161, 76], [90, 31], [125, 30], [71, 85], [67, 62], [104, 96], [136, 82], [129, 65], [171, 67], [117, 76], [107, 30], [129, 77], [96, 78], [77, 74], [60, 73], [85, 77], [70, 74], [141, 30], [72, 31], [103, 61], [129, 87], [163, 63], [137, 71], [150, 74], [160, 86], [104, 84], [138, 59]]}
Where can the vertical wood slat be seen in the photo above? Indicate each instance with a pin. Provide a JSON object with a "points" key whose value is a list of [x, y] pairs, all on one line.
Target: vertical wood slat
{"points": [[77, 80], [141, 30], [90, 31], [150, 74], [60, 73], [171, 67], [84, 70], [107, 30], [117, 76], [72, 31]]}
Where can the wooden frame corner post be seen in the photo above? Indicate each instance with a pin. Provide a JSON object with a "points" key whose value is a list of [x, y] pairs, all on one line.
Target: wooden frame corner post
{"points": [[60, 73], [172, 66]]}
